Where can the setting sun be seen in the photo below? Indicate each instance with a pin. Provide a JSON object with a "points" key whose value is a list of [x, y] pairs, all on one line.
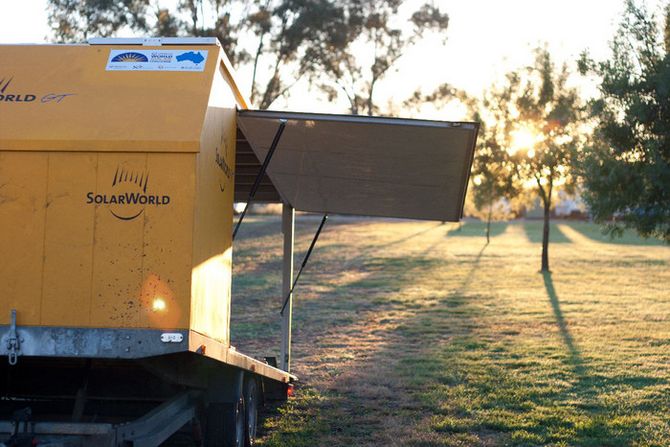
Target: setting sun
{"points": [[524, 139]]}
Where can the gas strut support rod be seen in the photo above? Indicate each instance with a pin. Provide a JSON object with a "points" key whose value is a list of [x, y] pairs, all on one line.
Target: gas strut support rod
{"points": [[304, 262], [261, 173]]}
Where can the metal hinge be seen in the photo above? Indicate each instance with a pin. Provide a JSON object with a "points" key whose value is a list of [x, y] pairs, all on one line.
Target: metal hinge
{"points": [[13, 341]]}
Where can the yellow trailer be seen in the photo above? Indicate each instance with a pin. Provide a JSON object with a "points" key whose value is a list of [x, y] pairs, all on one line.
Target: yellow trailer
{"points": [[120, 162]]}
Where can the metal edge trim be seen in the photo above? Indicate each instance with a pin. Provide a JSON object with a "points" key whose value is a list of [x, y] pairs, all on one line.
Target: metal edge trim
{"points": [[468, 170], [363, 119], [214, 349], [77, 342]]}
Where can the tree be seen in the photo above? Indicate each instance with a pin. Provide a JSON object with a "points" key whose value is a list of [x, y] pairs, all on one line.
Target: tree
{"points": [[495, 190], [290, 35], [283, 41], [547, 134], [369, 45], [531, 127], [494, 179], [626, 171], [77, 20], [297, 33]]}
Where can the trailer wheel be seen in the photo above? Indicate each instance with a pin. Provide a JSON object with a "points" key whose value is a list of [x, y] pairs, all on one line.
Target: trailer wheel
{"points": [[225, 425], [251, 402]]}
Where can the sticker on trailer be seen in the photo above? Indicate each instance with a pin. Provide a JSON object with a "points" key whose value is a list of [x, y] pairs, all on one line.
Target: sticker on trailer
{"points": [[172, 337], [156, 60]]}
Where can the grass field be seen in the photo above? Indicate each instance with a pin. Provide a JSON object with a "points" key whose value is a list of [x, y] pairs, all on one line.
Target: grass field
{"points": [[419, 334]]}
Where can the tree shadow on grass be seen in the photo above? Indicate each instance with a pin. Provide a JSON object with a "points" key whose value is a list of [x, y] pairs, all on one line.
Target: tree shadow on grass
{"points": [[379, 248], [469, 276], [441, 377], [595, 233], [575, 357], [477, 229], [365, 397], [439, 374], [485, 388], [258, 286], [533, 230], [592, 388]]}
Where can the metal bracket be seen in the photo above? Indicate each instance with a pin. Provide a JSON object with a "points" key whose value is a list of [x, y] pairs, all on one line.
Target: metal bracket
{"points": [[261, 173], [304, 263], [23, 416], [13, 341], [156, 426]]}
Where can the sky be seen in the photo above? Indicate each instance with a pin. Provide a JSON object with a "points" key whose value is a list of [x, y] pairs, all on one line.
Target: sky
{"points": [[485, 39]]}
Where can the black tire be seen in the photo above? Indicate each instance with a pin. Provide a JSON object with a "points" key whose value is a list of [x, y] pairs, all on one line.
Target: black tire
{"points": [[251, 404], [225, 425]]}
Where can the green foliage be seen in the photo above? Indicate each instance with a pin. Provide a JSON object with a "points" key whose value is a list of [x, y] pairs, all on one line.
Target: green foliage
{"points": [[493, 172], [626, 172], [283, 40], [550, 109], [76, 20], [230, 21], [303, 29], [291, 36], [370, 43]]}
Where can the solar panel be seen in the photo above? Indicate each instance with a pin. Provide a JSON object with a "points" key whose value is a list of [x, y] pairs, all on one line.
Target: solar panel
{"points": [[369, 166]]}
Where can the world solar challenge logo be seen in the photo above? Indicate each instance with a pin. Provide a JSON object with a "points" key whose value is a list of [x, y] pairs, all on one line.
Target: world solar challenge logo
{"points": [[157, 60], [130, 56]]}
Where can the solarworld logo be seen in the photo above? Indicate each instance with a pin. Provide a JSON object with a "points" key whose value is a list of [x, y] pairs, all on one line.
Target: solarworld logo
{"points": [[129, 195], [13, 95], [7, 96]]}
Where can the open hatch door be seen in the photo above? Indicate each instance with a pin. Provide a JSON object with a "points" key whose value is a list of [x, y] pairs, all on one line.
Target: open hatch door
{"points": [[361, 165]]}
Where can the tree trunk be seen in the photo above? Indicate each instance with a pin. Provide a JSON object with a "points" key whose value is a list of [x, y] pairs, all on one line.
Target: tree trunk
{"points": [[545, 236], [259, 50], [488, 224], [371, 92], [546, 201]]}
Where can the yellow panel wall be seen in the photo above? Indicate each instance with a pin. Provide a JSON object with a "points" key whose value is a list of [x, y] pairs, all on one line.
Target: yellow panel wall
{"points": [[79, 105], [68, 239], [118, 241], [212, 243], [126, 224], [168, 242], [70, 261], [23, 186]]}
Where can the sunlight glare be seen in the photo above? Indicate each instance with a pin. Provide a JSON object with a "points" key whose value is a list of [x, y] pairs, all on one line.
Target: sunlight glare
{"points": [[523, 139], [159, 305]]}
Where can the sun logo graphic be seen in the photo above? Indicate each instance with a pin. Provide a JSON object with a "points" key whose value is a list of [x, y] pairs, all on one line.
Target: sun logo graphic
{"points": [[128, 197], [130, 57], [128, 187]]}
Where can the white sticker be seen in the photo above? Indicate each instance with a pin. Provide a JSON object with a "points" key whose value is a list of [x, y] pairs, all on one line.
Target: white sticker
{"points": [[156, 60], [172, 337]]}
